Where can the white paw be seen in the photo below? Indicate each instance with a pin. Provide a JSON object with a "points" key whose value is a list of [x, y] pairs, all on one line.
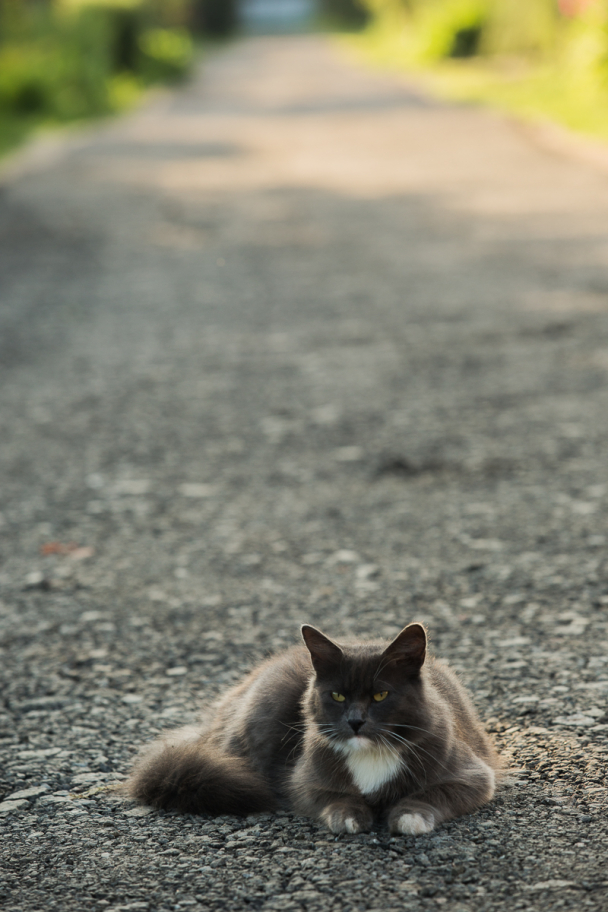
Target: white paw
{"points": [[351, 825], [416, 824]]}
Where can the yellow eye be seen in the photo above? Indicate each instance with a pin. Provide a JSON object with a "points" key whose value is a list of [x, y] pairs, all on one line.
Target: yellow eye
{"points": [[339, 698], [381, 696]]}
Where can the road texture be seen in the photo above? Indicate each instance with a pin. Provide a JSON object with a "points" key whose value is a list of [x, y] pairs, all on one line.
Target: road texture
{"points": [[296, 344]]}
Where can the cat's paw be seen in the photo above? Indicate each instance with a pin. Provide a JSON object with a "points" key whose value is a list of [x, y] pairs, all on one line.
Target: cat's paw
{"points": [[414, 824], [347, 820]]}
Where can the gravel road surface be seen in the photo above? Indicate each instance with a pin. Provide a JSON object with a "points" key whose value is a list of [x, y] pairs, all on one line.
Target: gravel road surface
{"points": [[293, 344]]}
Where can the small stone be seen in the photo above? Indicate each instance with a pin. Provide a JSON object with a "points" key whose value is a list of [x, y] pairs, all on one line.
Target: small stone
{"points": [[583, 508], [313, 557], [28, 793], [349, 454], [484, 544], [551, 885], [7, 806], [326, 415], [575, 720], [176, 672], [132, 698], [343, 556], [34, 579], [196, 490], [35, 754], [87, 617], [367, 571], [132, 486], [87, 777], [79, 554], [156, 594]]}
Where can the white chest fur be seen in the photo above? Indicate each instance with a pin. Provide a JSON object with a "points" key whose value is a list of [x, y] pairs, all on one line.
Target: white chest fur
{"points": [[370, 765]]}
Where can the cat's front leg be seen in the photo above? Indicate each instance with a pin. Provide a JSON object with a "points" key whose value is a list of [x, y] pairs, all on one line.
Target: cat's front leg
{"points": [[342, 810], [424, 810], [347, 816]]}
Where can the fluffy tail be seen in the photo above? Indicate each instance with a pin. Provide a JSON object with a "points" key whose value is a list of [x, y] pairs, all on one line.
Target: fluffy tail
{"points": [[179, 772]]}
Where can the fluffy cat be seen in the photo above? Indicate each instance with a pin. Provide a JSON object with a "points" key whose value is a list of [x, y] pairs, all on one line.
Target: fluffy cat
{"points": [[348, 734]]}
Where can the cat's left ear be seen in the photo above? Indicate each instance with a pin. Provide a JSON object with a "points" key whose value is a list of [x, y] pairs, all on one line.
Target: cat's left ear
{"points": [[407, 651], [324, 653]]}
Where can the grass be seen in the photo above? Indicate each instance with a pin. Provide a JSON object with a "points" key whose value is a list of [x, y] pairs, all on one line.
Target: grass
{"points": [[568, 90], [14, 130]]}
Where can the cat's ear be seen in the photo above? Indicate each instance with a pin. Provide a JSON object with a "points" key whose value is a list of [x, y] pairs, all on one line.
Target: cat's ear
{"points": [[407, 651], [324, 653]]}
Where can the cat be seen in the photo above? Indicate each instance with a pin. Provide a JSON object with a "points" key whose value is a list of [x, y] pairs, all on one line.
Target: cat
{"points": [[347, 734]]}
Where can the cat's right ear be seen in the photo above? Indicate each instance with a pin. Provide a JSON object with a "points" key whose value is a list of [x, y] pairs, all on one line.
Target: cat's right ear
{"points": [[408, 650], [324, 653]]}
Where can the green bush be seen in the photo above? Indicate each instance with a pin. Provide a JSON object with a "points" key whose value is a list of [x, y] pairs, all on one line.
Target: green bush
{"points": [[64, 65], [449, 28], [165, 54], [345, 13], [529, 28], [216, 18], [535, 58]]}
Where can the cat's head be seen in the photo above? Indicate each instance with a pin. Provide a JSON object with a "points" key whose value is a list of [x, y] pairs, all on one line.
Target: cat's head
{"points": [[367, 694]]}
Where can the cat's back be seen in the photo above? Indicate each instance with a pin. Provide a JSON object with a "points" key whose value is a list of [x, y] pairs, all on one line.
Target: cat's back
{"points": [[262, 717], [468, 727]]}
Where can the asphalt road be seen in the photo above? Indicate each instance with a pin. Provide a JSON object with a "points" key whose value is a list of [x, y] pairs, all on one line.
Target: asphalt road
{"points": [[293, 344]]}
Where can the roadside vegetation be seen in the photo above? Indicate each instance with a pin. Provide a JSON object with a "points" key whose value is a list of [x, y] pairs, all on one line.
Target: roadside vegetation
{"points": [[68, 60], [544, 59]]}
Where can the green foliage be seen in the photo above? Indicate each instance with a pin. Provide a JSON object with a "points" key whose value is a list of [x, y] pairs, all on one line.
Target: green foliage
{"points": [[448, 28], [345, 13], [529, 28], [65, 63], [546, 58], [216, 18], [164, 54]]}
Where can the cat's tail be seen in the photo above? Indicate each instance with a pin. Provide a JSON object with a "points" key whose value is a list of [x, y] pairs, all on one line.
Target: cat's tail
{"points": [[179, 772]]}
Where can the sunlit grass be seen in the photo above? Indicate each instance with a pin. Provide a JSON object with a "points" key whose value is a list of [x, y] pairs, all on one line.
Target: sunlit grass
{"points": [[568, 90], [13, 131]]}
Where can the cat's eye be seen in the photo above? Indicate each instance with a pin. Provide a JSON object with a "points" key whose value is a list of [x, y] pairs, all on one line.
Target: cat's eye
{"points": [[339, 698], [379, 697]]}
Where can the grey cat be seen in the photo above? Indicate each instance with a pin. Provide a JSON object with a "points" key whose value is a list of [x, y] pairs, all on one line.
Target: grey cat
{"points": [[348, 734]]}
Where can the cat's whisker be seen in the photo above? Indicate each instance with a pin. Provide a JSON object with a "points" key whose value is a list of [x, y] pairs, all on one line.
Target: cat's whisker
{"points": [[416, 756], [391, 749], [298, 728], [327, 731], [418, 747], [383, 663], [414, 728]]}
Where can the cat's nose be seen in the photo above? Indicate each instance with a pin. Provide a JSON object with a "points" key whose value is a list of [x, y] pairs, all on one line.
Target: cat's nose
{"points": [[356, 724]]}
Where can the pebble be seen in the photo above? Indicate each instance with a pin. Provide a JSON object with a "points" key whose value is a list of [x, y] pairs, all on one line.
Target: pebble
{"points": [[7, 806], [28, 793], [197, 490]]}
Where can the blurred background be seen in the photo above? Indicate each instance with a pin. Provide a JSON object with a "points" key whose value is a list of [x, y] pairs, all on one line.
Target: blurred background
{"points": [[65, 60]]}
